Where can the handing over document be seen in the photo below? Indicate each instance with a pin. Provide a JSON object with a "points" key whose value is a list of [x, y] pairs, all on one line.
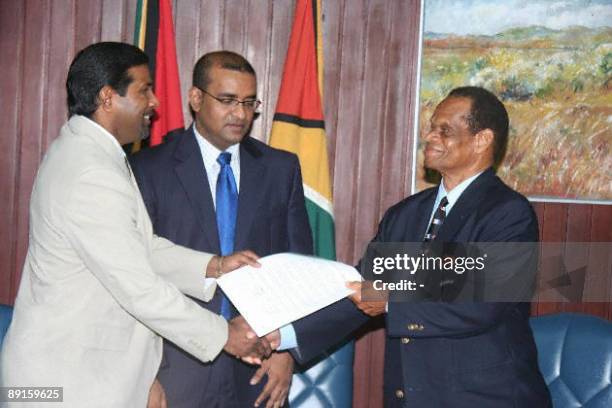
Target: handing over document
{"points": [[285, 288]]}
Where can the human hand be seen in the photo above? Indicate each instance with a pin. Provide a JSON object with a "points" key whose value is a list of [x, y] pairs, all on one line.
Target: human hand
{"points": [[157, 396], [377, 299], [274, 338], [243, 343], [238, 259], [279, 368], [220, 265]]}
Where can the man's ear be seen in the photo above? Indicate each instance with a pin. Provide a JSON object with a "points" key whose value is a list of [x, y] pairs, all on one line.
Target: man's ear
{"points": [[484, 140], [105, 97], [195, 98]]}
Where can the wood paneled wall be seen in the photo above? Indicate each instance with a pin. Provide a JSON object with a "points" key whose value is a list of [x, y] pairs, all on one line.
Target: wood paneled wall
{"points": [[370, 69], [370, 59], [38, 40], [579, 223]]}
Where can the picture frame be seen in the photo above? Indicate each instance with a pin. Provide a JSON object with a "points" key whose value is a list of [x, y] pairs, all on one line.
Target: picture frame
{"points": [[553, 77]]}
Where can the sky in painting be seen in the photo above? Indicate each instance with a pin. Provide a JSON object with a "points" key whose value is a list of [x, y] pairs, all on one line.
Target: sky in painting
{"points": [[486, 17]]}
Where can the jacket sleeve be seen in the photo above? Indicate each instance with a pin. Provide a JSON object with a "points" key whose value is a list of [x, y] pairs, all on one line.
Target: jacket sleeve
{"points": [[103, 227], [183, 267], [325, 329], [300, 237]]}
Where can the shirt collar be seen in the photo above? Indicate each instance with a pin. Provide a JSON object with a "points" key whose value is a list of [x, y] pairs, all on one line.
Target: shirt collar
{"points": [[210, 152], [453, 195]]}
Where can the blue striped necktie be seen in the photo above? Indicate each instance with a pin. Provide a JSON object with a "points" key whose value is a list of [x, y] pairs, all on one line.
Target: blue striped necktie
{"points": [[227, 206]]}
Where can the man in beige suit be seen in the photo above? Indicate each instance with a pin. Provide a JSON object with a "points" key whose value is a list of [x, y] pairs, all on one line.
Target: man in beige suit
{"points": [[98, 289]]}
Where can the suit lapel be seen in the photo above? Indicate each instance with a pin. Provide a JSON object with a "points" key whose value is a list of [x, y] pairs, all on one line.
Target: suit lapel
{"points": [[251, 191], [468, 202], [192, 175], [423, 211]]}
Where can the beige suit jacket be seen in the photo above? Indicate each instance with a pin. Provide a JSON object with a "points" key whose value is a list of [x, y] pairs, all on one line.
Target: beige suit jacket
{"points": [[98, 289]]}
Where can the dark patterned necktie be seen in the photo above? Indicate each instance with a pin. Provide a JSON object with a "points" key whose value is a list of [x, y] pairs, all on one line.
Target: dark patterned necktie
{"points": [[227, 206], [433, 277], [436, 221]]}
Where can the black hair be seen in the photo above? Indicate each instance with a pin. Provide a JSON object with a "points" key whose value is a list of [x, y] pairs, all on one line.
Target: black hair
{"points": [[98, 65], [223, 59], [486, 112]]}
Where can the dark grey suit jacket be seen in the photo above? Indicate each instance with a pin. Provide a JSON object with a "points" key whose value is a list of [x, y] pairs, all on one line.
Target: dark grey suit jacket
{"points": [[271, 218]]}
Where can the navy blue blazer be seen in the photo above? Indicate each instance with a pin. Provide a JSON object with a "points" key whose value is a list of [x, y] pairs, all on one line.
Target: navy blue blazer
{"points": [[450, 354], [271, 218]]}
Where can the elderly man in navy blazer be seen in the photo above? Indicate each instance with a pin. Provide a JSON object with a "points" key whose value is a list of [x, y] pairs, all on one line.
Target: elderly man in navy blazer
{"points": [[452, 354]]}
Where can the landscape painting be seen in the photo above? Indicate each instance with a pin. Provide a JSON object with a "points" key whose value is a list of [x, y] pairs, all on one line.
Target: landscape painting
{"points": [[551, 64]]}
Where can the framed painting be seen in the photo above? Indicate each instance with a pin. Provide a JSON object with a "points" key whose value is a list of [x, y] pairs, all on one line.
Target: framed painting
{"points": [[550, 62]]}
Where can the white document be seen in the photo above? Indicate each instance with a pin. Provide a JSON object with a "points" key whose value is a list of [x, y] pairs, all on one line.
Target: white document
{"points": [[285, 288]]}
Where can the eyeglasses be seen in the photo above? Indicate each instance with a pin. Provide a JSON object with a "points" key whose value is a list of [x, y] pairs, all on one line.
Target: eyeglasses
{"points": [[249, 104]]}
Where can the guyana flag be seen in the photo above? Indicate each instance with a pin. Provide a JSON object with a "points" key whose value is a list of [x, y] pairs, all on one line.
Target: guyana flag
{"points": [[154, 34], [298, 127], [298, 124]]}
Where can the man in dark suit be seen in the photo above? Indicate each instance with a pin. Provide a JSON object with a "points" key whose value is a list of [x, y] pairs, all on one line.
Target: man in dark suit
{"points": [[213, 188], [454, 354]]}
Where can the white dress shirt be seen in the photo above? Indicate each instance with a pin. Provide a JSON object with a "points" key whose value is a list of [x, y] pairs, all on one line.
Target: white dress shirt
{"points": [[209, 155], [452, 196]]}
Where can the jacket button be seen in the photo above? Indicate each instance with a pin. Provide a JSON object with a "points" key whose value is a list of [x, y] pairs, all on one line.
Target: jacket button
{"points": [[405, 340], [399, 394]]}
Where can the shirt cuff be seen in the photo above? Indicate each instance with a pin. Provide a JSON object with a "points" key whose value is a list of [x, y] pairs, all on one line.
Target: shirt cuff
{"points": [[208, 282], [288, 339]]}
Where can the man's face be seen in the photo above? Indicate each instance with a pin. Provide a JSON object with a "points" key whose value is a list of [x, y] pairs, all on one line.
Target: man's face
{"points": [[450, 144], [224, 125], [134, 111]]}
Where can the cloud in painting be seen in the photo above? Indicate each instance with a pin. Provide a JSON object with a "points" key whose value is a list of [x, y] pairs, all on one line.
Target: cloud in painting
{"points": [[482, 17]]}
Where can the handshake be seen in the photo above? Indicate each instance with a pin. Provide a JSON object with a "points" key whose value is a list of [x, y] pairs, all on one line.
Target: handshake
{"points": [[243, 343]]}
